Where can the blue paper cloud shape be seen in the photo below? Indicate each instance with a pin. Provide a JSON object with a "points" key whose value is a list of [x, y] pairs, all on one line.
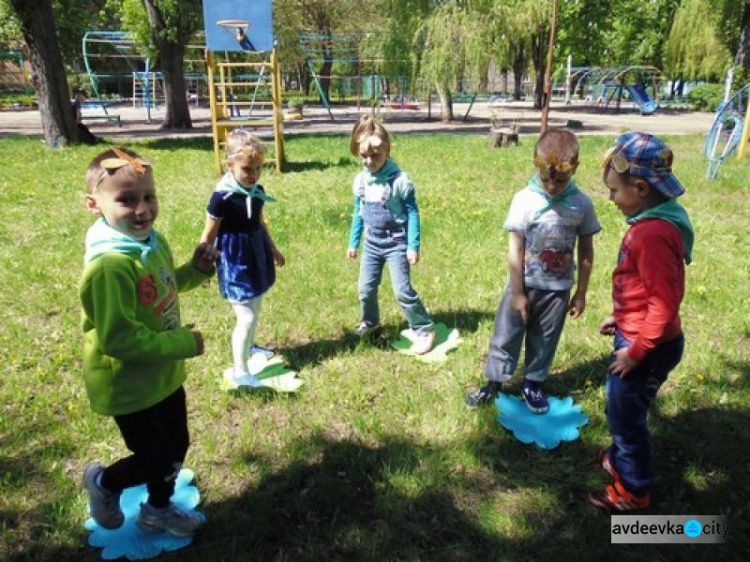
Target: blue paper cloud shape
{"points": [[560, 423], [129, 541]]}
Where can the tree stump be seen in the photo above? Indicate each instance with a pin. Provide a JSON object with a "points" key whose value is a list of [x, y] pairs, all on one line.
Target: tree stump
{"points": [[503, 136]]}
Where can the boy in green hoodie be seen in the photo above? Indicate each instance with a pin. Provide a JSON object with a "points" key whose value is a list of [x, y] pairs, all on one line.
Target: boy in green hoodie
{"points": [[134, 342]]}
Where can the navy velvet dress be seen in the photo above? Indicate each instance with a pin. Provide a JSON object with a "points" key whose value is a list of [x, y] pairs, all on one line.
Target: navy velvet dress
{"points": [[245, 269]]}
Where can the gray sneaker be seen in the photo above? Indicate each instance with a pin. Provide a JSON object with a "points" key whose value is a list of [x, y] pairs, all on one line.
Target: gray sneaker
{"points": [[171, 520], [364, 329], [104, 505]]}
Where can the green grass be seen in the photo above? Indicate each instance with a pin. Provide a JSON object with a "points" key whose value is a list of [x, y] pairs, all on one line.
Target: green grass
{"points": [[377, 458]]}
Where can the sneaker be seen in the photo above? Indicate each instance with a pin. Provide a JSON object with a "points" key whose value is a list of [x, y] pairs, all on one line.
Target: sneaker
{"points": [[104, 506], [364, 329], [534, 397], [615, 497], [607, 465], [423, 343], [246, 379], [266, 352], [236, 379], [483, 395], [171, 520]]}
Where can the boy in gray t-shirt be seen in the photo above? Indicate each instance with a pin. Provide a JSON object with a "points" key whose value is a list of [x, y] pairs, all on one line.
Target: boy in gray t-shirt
{"points": [[545, 220]]}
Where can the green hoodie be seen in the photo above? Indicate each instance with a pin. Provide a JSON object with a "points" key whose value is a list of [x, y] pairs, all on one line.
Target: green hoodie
{"points": [[134, 347]]}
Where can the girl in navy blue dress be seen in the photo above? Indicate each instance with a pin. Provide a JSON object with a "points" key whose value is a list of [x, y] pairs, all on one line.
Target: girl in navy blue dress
{"points": [[246, 268]]}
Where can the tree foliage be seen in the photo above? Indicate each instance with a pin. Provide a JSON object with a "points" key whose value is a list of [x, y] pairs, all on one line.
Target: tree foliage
{"points": [[694, 49]]}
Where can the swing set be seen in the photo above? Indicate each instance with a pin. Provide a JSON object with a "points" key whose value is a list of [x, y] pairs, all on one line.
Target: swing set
{"points": [[335, 60]]}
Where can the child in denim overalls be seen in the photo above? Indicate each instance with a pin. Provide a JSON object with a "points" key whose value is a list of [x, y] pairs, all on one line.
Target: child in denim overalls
{"points": [[386, 209]]}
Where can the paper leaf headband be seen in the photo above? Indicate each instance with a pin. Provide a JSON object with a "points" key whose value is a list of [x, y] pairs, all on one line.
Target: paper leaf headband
{"points": [[111, 165], [550, 167], [369, 141], [621, 165], [249, 152]]}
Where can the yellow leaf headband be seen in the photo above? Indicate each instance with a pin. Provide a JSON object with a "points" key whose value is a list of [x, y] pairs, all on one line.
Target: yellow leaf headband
{"points": [[550, 167], [248, 152], [111, 165], [617, 161], [367, 141]]}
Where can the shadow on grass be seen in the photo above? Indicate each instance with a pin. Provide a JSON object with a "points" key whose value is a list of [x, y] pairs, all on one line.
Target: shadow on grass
{"points": [[348, 501], [193, 143]]}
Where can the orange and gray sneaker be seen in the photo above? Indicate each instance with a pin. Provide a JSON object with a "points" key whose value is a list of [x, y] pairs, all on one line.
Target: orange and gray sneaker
{"points": [[616, 498], [607, 465]]}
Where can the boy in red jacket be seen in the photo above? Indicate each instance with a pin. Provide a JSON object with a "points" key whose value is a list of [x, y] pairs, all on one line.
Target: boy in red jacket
{"points": [[648, 285]]}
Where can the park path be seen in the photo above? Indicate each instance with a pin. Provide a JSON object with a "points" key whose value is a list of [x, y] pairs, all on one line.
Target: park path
{"points": [[594, 121]]}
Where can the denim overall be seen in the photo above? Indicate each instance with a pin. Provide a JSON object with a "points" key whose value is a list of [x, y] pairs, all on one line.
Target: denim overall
{"points": [[385, 242]]}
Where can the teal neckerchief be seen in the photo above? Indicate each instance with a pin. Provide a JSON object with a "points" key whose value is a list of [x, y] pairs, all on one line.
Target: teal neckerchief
{"points": [[672, 212], [230, 185], [103, 239], [562, 198], [389, 169]]}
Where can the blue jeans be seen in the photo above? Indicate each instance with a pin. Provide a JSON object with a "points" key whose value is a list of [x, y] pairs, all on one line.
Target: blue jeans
{"points": [[628, 400], [390, 249]]}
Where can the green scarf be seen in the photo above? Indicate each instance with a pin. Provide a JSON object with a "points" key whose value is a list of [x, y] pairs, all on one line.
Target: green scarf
{"points": [[672, 212], [562, 197], [230, 185], [389, 169], [103, 239]]}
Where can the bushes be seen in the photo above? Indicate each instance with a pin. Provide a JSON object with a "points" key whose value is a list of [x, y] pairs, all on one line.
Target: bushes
{"points": [[706, 97]]}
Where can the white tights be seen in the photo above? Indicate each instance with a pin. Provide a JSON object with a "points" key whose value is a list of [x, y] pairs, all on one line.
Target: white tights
{"points": [[243, 335]]}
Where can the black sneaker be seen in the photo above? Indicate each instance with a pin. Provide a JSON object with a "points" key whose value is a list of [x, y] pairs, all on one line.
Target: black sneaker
{"points": [[534, 397], [483, 395]]}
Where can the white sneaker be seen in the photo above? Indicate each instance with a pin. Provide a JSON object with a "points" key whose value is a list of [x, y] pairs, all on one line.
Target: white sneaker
{"points": [[423, 343], [104, 506], [264, 351], [171, 520], [236, 379]]}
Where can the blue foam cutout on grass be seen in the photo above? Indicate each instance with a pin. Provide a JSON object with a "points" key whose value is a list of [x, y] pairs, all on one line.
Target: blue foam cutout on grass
{"points": [[560, 423], [131, 542]]}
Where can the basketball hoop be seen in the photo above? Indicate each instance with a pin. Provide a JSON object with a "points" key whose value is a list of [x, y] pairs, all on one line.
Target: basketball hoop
{"points": [[238, 29]]}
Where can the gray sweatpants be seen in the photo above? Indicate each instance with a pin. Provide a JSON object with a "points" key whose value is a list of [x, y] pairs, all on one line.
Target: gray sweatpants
{"points": [[547, 313]]}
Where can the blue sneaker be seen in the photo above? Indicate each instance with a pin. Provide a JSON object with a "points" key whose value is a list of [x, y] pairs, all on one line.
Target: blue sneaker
{"points": [[483, 395], [266, 352], [534, 397]]}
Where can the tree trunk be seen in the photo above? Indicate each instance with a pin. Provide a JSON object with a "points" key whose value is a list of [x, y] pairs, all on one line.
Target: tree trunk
{"points": [[446, 102], [172, 59], [743, 50], [539, 54], [178, 110], [38, 28], [519, 69], [324, 74]]}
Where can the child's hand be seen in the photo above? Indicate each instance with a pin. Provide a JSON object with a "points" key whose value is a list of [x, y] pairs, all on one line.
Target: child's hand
{"points": [[623, 363], [278, 257], [351, 253], [520, 304], [412, 256], [607, 328], [577, 305], [199, 343], [205, 257]]}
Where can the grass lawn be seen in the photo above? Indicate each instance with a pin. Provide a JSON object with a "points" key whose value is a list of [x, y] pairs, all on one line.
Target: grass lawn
{"points": [[377, 458]]}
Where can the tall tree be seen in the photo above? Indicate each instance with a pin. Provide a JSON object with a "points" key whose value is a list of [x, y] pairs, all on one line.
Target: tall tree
{"points": [[165, 27], [694, 48], [37, 24]]}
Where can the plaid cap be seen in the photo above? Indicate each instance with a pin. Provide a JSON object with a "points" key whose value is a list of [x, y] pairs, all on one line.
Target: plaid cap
{"points": [[645, 156]]}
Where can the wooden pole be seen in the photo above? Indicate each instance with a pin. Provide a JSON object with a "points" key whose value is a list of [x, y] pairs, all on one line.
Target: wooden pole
{"points": [[548, 70]]}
